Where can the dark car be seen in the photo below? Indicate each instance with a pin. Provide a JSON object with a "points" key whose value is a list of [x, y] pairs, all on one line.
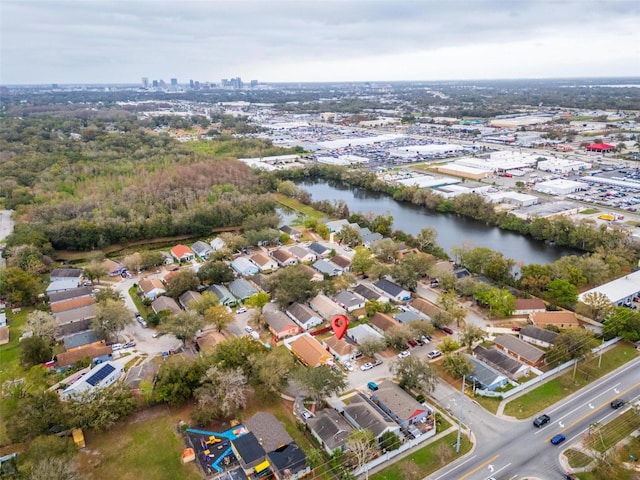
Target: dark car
{"points": [[447, 330], [413, 343], [617, 403], [558, 439], [541, 420]]}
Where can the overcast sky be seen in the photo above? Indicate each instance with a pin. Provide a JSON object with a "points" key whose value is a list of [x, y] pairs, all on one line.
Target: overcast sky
{"points": [[120, 41]]}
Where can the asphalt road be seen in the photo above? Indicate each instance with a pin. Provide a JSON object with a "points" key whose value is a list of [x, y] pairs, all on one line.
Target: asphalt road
{"points": [[508, 449]]}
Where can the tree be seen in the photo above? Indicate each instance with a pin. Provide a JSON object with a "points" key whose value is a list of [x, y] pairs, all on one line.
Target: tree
{"points": [[500, 301], [623, 323], [234, 352], [405, 275], [596, 305], [42, 324], [35, 414], [362, 260], [448, 302], [133, 262], [413, 372], [258, 300], [101, 409], [361, 444], [389, 441], [370, 346], [270, 372], [17, 286], [222, 393], [457, 365], [111, 318], [218, 316], [28, 258], [470, 334], [289, 285], [572, 344], [183, 281], [321, 381], [448, 344], [420, 328], [151, 259], [35, 350], [385, 250], [206, 301], [108, 293], [350, 236], [94, 271], [183, 325], [426, 238], [46, 467], [177, 379], [398, 336], [562, 292], [215, 272]]}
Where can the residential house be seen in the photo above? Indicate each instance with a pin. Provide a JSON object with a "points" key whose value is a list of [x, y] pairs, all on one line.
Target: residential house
{"points": [[95, 351], [288, 462], [152, 288], [217, 244], [563, 319], [189, 297], [461, 273], [99, 377], [225, 297], [280, 325], [502, 362], [383, 322], [368, 237], [350, 301], [319, 249], [73, 321], [364, 414], [72, 304], [370, 294], [325, 267], [342, 262], [167, 258], [337, 225], [283, 257], [486, 377], [242, 289], [303, 316], [392, 290], [62, 286], [112, 267], [202, 249], [401, 406], [268, 430], [620, 291], [206, 341], [408, 316], [313, 274], [182, 253], [341, 350], [426, 307], [264, 262], [165, 303], [243, 266], [66, 273], [538, 336], [522, 351], [70, 294], [326, 307], [303, 254], [330, 429], [293, 233], [526, 306], [81, 339], [309, 351], [250, 454], [363, 332]]}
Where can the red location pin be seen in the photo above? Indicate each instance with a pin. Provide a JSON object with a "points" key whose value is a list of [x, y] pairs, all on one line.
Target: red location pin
{"points": [[339, 324]]}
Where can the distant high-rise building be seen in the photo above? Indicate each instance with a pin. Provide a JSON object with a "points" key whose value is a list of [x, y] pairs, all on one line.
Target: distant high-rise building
{"points": [[174, 82], [191, 84], [196, 85], [254, 83], [162, 84], [145, 82], [155, 84]]}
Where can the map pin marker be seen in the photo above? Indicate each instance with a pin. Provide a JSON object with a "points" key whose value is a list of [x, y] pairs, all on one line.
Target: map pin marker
{"points": [[339, 324]]}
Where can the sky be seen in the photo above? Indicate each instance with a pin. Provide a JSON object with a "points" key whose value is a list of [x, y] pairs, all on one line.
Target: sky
{"points": [[121, 41]]}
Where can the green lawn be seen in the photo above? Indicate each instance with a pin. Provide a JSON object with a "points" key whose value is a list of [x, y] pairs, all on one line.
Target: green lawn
{"points": [[142, 309], [589, 211], [490, 404], [560, 387], [577, 459], [9, 352], [617, 429], [427, 460], [146, 447], [299, 207]]}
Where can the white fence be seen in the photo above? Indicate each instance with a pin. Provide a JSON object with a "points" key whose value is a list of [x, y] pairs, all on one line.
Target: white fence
{"points": [[544, 376]]}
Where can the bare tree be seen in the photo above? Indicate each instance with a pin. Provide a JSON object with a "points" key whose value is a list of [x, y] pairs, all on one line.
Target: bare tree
{"points": [[41, 323], [222, 393], [362, 446]]}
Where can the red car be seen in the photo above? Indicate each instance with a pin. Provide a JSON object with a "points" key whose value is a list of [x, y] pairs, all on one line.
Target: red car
{"points": [[516, 329], [447, 330]]}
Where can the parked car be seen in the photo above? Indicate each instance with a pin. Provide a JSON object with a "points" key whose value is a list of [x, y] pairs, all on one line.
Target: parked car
{"points": [[373, 386], [404, 354], [617, 403], [116, 346], [376, 363], [516, 329], [248, 329], [426, 338], [129, 345], [307, 415], [541, 420], [434, 354], [241, 310], [366, 366], [447, 330], [419, 342], [348, 366], [413, 343], [558, 439]]}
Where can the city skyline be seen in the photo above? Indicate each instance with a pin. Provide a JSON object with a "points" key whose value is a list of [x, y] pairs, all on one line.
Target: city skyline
{"points": [[310, 41]]}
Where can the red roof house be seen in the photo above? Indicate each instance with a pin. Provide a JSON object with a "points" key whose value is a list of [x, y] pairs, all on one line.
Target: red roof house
{"points": [[182, 253], [600, 147]]}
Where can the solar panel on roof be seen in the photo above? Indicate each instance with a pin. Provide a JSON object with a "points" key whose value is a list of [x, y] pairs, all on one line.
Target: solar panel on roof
{"points": [[100, 375]]}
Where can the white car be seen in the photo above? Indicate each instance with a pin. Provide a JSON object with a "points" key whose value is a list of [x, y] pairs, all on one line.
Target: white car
{"points": [[248, 329], [404, 354], [307, 415], [241, 310], [348, 366], [434, 354], [366, 366]]}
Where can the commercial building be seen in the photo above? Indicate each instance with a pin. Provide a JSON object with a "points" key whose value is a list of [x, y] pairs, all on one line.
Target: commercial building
{"points": [[560, 187]]}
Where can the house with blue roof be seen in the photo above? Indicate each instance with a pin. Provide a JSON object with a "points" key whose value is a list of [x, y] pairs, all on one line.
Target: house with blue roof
{"points": [[242, 289]]}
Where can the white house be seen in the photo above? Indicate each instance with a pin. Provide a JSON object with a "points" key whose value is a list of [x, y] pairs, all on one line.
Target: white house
{"points": [[99, 377]]}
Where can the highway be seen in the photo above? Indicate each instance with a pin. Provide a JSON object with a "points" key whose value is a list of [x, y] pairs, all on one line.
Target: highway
{"points": [[509, 449]]}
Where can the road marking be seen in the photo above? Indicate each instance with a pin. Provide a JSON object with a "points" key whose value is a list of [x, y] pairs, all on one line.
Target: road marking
{"points": [[491, 469], [561, 425], [616, 390], [454, 468], [591, 407], [479, 467]]}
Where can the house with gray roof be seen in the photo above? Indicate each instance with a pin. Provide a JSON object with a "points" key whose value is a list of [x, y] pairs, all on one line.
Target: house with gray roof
{"points": [[350, 301], [280, 325], [409, 315], [520, 350], [363, 332], [326, 307], [303, 316], [341, 262], [62, 285], [392, 290], [401, 406], [292, 232], [66, 273], [217, 244], [268, 430], [330, 429], [288, 462], [245, 267], [362, 413], [189, 297], [368, 237], [319, 249], [69, 294], [336, 225], [325, 267], [370, 294], [538, 336], [303, 254], [225, 297], [73, 321], [501, 362], [202, 249], [242, 289], [79, 339], [165, 303], [486, 377]]}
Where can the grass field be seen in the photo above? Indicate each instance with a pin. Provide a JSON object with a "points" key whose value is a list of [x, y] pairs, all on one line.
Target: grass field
{"points": [[299, 207], [9, 352], [555, 390], [617, 429], [146, 447], [577, 459], [426, 460]]}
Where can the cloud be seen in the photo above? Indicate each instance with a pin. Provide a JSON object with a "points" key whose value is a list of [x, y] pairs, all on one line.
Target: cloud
{"points": [[123, 40]]}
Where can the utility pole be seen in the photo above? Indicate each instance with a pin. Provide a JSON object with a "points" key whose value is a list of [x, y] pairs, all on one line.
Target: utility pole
{"points": [[460, 415]]}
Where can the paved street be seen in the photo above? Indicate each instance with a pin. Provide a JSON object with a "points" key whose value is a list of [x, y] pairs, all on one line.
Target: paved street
{"points": [[509, 449]]}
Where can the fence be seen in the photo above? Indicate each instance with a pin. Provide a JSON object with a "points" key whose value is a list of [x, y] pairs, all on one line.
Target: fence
{"points": [[544, 376]]}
